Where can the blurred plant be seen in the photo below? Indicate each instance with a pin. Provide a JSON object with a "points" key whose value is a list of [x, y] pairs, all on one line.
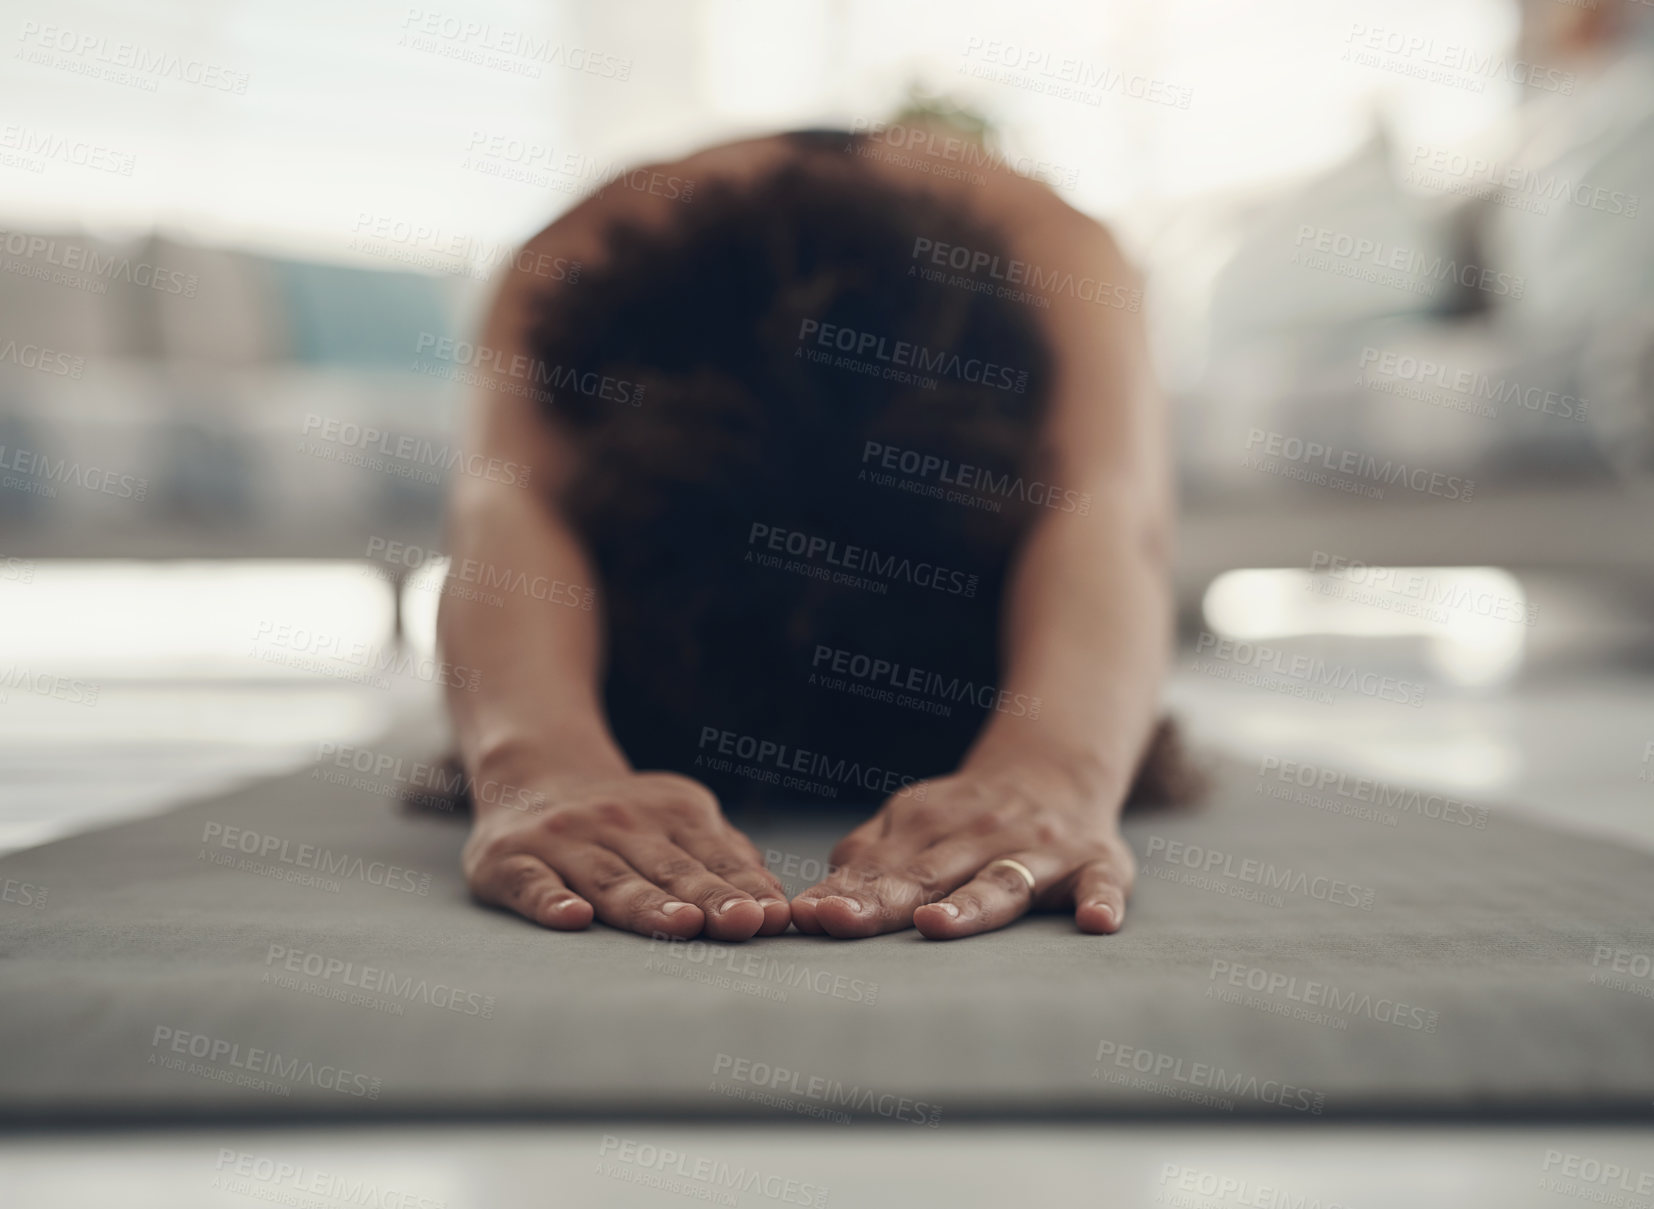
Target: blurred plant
{"points": [[924, 106]]}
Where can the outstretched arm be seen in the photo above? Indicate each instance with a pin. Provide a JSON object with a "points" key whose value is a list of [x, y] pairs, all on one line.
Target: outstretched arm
{"points": [[564, 828], [1087, 630]]}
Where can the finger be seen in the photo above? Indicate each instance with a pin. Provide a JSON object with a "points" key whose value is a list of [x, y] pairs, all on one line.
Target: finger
{"points": [[526, 885], [997, 895], [1099, 898], [851, 852], [623, 898], [730, 912], [861, 899], [891, 896], [731, 856], [803, 911]]}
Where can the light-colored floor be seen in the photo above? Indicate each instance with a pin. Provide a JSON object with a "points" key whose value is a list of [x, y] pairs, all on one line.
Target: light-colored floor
{"points": [[144, 746], [598, 1165], [1572, 746]]}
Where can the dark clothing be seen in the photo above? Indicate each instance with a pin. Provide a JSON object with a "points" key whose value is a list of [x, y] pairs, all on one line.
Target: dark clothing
{"points": [[806, 460]]}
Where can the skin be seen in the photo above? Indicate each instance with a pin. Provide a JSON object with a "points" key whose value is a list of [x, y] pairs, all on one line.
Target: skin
{"points": [[1087, 629]]}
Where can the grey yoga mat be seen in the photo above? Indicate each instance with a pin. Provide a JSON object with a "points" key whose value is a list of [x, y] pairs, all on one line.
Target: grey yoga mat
{"points": [[302, 946]]}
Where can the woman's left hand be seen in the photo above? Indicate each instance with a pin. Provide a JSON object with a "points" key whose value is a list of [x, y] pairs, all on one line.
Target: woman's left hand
{"points": [[926, 859]]}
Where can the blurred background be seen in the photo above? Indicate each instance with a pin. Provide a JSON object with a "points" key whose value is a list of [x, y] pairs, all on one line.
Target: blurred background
{"points": [[1400, 286]]}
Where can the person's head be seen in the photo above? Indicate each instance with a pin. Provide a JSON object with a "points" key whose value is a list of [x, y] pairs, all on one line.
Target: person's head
{"points": [[778, 326], [775, 329]]}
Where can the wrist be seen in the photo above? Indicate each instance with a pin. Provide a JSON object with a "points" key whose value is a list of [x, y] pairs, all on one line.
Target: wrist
{"points": [[1076, 769], [533, 762]]}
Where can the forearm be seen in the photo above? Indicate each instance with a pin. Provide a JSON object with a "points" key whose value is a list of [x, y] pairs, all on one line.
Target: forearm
{"points": [[537, 706], [1087, 629]]}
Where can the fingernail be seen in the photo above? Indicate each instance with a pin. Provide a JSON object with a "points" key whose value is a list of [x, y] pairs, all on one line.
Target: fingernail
{"points": [[1108, 911], [772, 902], [726, 905], [854, 904], [949, 909], [672, 908]]}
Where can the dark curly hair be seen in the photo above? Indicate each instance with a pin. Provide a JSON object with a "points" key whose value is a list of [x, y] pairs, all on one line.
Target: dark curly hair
{"points": [[734, 407]]}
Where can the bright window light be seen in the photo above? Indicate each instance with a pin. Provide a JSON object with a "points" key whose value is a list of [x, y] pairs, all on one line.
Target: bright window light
{"points": [[1475, 619], [361, 124], [421, 594], [245, 618], [763, 62]]}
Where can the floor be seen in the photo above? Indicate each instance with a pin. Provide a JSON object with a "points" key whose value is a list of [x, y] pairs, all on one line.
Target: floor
{"points": [[594, 1165], [1574, 744]]}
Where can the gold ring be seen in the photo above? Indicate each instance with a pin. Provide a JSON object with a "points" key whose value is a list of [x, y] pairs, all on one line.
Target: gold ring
{"points": [[1027, 875]]}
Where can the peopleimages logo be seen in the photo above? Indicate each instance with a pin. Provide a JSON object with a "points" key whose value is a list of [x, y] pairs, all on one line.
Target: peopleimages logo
{"points": [[1193, 1182], [1250, 871], [930, 142], [1596, 1176], [1311, 993], [663, 1168], [902, 356], [976, 262], [852, 562], [486, 360], [45, 360], [252, 1061], [122, 62], [23, 894], [264, 847], [359, 662], [425, 245], [43, 476], [267, 1179], [370, 980], [1425, 595], [868, 676], [417, 455], [948, 473], [1311, 671], [1513, 185], [1158, 1067], [75, 258], [534, 163], [418, 781], [1621, 969], [487, 580], [47, 684], [768, 760], [501, 47], [825, 1092], [40, 146], [1434, 806], [743, 961], [1379, 258], [1058, 75], [1447, 62], [1308, 459], [1400, 369]]}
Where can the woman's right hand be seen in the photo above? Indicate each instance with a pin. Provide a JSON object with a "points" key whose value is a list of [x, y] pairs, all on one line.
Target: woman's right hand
{"points": [[649, 852]]}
